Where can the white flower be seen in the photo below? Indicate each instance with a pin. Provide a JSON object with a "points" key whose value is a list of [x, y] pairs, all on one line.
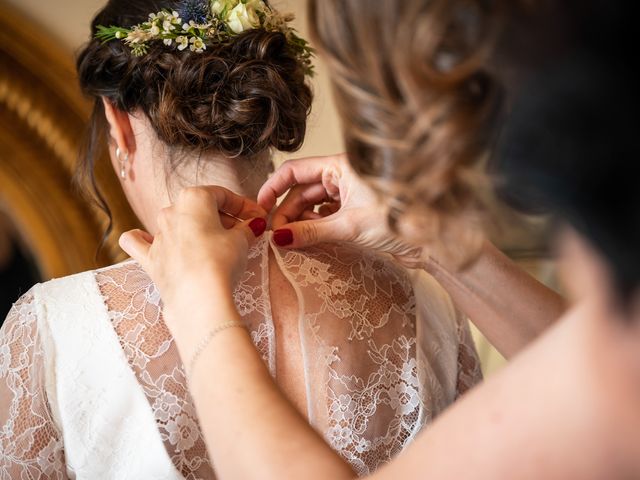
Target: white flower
{"points": [[183, 42], [239, 15], [168, 26], [187, 26], [197, 45], [168, 42], [174, 18], [155, 31], [243, 17]]}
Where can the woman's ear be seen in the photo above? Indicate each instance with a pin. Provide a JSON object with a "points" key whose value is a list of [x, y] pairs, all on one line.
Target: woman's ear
{"points": [[119, 127]]}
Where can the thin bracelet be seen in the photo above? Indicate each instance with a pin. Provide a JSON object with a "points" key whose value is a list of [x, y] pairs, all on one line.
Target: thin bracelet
{"points": [[206, 340]]}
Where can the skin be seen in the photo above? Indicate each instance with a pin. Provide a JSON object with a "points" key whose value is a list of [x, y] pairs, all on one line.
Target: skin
{"points": [[151, 195], [565, 407], [510, 321], [146, 186]]}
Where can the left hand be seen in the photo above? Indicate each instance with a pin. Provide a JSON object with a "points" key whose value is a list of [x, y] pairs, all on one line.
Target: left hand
{"points": [[193, 256], [350, 210]]}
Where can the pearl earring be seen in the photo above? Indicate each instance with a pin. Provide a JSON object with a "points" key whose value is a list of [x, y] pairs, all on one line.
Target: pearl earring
{"points": [[123, 162]]}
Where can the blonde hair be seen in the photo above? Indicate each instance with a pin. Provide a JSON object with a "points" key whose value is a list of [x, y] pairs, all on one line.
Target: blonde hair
{"points": [[417, 104]]}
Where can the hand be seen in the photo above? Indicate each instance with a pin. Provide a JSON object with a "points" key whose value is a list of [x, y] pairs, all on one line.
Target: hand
{"points": [[193, 256], [350, 210]]}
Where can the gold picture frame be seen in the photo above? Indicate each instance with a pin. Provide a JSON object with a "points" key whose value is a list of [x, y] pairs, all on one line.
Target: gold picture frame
{"points": [[43, 117]]}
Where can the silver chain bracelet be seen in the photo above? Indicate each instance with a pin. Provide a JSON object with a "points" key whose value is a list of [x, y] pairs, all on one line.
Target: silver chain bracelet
{"points": [[207, 339]]}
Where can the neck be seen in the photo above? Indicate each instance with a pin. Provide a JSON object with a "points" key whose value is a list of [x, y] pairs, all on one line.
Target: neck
{"points": [[240, 175], [153, 186]]}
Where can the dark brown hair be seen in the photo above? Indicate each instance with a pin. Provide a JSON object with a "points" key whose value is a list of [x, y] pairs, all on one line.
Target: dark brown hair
{"points": [[239, 98], [416, 102]]}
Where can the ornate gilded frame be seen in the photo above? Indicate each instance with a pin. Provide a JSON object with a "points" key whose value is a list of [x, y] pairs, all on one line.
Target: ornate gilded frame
{"points": [[42, 120]]}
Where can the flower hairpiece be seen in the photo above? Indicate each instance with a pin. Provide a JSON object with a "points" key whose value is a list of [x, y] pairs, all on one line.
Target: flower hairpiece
{"points": [[196, 23]]}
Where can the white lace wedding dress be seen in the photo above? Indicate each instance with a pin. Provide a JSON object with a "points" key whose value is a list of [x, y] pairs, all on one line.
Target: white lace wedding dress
{"points": [[92, 386]]}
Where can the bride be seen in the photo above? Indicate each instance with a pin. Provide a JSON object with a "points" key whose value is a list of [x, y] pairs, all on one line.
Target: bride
{"points": [[91, 383]]}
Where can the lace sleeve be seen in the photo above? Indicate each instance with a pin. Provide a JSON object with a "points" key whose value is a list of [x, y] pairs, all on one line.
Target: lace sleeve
{"points": [[30, 443], [469, 371]]}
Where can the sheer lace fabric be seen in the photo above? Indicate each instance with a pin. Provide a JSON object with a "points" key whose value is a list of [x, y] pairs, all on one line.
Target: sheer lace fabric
{"points": [[134, 309], [378, 364], [358, 333], [30, 443]]}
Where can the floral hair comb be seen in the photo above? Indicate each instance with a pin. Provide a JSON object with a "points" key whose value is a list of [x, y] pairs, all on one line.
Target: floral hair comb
{"points": [[196, 23]]}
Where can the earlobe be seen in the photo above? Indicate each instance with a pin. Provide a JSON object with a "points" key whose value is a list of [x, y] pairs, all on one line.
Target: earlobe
{"points": [[123, 159]]}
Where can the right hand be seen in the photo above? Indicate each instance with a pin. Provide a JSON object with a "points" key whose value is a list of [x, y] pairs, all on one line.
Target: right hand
{"points": [[351, 211], [197, 253]]}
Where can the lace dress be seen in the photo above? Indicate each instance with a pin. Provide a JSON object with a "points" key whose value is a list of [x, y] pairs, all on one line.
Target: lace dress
{"points": [[92, 386]]}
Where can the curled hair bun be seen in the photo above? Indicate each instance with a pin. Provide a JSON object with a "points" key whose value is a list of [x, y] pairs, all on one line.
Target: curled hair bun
{"points": [[239, 98]]}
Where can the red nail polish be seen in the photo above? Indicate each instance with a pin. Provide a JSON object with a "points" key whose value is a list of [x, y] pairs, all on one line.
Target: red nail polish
{"points": [[258, 226], [283, 237]]}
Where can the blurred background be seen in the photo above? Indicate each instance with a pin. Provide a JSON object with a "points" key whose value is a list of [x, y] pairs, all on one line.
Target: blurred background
{"points": [[47, 229]]}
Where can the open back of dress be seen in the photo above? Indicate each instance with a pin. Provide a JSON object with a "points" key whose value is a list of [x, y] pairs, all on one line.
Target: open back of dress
{"points": [[92, 386]]}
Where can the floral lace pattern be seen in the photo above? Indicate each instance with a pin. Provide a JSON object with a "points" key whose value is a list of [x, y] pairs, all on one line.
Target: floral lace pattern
{"points": [[30, 444], [369, 392], [135, 311], [254, 304], [371, 411]]}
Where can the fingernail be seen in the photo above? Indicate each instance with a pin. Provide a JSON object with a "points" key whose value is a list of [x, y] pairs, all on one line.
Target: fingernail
{"points": [[122, 241], [258, 226], [283, 237]]}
